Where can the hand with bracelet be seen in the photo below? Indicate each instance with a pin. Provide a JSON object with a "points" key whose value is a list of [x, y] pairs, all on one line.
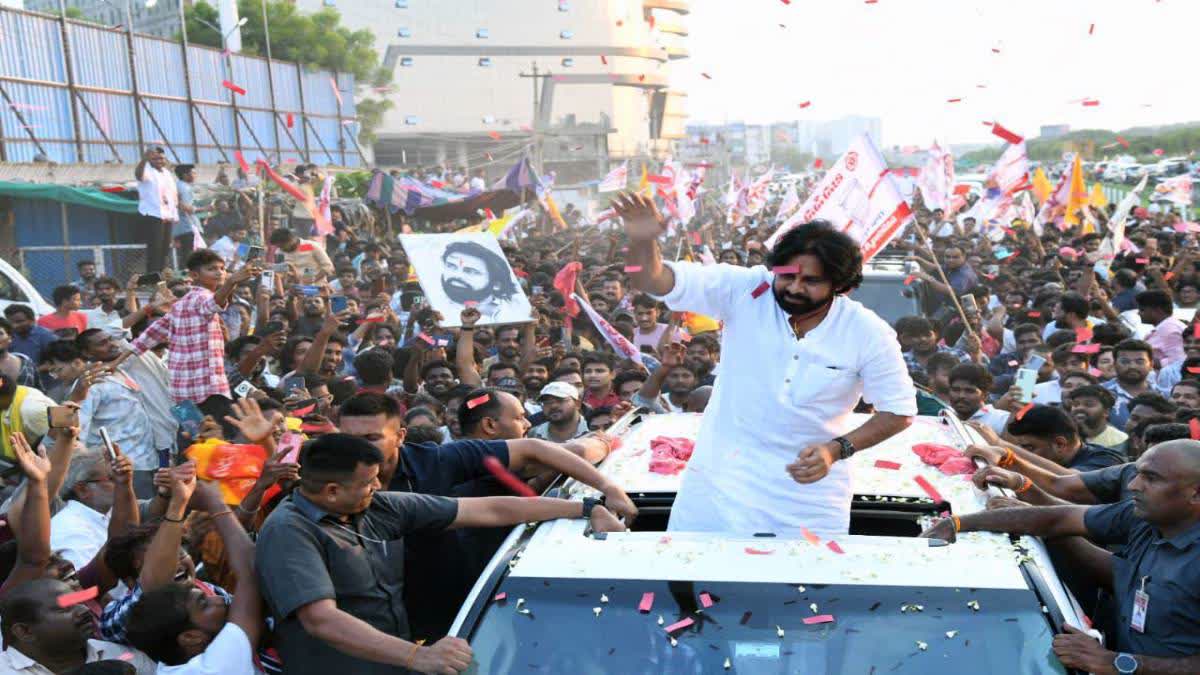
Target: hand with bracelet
{"points": [[183, 484], [448, 655], [813, 462]]}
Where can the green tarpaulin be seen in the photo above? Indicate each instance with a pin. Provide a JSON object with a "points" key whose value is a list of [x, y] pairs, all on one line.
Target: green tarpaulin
{"points": [[83, 196]]}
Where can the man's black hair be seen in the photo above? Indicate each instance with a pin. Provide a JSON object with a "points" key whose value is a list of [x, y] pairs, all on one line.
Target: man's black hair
{"points": [[1156, 402], [1046, 422], [1132, 345], [917, 325], [374, 367], [157, 619], [1024, 328], [597, 357], [500, 282], [627, 376], [840, 256], [643, 300], [370, 405], [281, 236], [500, 365], [24, 310], [973, 373], [486, 404], [1104, 396], [181, 169], [61, 294], [437, 363], [1155, 299], [201, 257], [334, 457]]}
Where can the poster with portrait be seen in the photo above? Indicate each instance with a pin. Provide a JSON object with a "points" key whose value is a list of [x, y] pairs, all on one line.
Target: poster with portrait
{"points": [[466, 267]]}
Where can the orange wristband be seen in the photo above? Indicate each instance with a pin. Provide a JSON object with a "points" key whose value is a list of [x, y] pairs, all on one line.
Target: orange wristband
{"points": [[1025, 486], [412, 655], [957, 524], [1008, 458]]}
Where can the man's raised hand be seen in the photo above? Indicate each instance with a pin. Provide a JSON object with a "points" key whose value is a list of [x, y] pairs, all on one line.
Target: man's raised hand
{"points": [[642, 219]]}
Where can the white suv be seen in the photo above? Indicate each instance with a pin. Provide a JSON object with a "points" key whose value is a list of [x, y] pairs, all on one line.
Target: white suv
{"points": [[878, 600]]}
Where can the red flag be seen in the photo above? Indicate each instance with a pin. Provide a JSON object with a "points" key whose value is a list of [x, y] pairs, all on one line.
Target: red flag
{"points": [[291, 120], [233, 87], [998, 130], [564, 282], [1124, 143], [237, 154]]}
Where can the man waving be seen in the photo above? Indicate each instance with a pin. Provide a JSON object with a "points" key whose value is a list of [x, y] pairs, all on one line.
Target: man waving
{"points": [[769, 454]]}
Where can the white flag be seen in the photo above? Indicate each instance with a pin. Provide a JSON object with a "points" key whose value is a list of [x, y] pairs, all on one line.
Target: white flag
{"points": [[1177, 190], [1114, 243], [791, 199], [1011, 172], [858, 197], [936, 180], [616, 179]]}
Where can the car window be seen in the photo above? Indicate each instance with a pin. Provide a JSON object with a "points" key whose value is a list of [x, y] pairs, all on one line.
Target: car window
{"points": [[885, 297], [10, 291], [561, 633]]}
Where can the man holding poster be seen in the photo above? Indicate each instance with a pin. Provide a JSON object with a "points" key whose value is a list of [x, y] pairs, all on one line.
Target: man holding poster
{"points": [[768, 454]]}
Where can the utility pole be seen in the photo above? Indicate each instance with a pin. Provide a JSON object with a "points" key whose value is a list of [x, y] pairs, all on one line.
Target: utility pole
{"points": [[536, 126]]}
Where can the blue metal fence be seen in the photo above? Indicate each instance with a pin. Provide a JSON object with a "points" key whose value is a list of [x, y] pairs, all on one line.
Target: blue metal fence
{"points": [[77, 92]]}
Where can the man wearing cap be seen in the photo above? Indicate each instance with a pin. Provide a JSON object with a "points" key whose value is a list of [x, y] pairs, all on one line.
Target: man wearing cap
{"points": [[560, 405], [796, 356]]}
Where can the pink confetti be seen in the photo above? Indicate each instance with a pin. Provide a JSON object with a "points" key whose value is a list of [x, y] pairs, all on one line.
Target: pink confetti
{"points": [[820, 618], [812, 538], [426, 338], [646, 603], [885, 464], [928, 488], [706, 600], [127, 656], [499, 597], [790, 269], [759, 290], [1086, 349], [758, 551], [679, 625], [69, 599], [833, 546], [471, 303], [630, 269]]}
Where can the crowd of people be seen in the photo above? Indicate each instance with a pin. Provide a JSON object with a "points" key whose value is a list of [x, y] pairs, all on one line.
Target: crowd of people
{"points": [[357, 551]]}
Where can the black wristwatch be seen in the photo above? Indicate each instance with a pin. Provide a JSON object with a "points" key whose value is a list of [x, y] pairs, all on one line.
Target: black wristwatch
{"points": [[589, 503], [847, 447], [1125, 663]]}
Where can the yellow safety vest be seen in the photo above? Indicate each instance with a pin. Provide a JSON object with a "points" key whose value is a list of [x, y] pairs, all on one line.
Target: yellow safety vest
{"points": [[10, 422]]}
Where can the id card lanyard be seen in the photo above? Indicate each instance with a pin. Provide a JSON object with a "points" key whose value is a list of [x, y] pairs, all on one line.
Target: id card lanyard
{"points": [[1141, 605]]}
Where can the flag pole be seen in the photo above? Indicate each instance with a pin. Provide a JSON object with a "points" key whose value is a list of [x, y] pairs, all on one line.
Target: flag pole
{"points": [[945, 280]]}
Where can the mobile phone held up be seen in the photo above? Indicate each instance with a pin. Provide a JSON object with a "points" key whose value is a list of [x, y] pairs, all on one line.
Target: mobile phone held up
{"points": [[338, 304], [109, 451]]}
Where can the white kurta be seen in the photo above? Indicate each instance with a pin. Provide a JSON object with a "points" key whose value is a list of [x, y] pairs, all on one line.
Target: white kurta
{"points": [[776, 395]]}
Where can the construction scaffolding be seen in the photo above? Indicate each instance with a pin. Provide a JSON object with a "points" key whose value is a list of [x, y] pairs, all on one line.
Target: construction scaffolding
{"points": [[76, 92]]}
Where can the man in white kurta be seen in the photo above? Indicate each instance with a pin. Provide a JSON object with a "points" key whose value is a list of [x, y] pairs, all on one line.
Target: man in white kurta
{"points": [[796, 356], [777, 395]]}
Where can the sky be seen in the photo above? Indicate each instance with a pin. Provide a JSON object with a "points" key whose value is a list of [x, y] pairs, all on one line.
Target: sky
{"points": [[901, 60]]}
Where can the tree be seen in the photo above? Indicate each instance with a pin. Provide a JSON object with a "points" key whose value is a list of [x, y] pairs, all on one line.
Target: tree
{"points": [[315, 40]]}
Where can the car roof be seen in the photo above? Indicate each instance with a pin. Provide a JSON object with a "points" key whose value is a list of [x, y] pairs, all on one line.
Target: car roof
{"points": [[977, 560]]}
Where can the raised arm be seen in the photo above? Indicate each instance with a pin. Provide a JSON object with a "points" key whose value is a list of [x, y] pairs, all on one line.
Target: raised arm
{"points": [[311, 363], [125, 504], [464, 350], [643, 225], [246, 610], [162, 555], [31, 514]]}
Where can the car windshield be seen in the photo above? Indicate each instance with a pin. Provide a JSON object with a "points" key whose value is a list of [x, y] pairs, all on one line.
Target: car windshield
{"points": [[885, 297], [551, 626]]}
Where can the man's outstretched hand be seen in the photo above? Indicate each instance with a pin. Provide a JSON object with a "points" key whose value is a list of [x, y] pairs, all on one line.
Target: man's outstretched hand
{"points": [[642, 219]]}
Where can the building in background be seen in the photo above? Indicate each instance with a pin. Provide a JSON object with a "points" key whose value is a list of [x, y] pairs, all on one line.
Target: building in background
{"points": [[1054, 130], [740, 144], [161, 20], [466, 94]]}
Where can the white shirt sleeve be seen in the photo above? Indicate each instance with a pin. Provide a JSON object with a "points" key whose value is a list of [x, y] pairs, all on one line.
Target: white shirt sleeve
{"points": [[886, 383], [712, 290], [229, 653]]}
